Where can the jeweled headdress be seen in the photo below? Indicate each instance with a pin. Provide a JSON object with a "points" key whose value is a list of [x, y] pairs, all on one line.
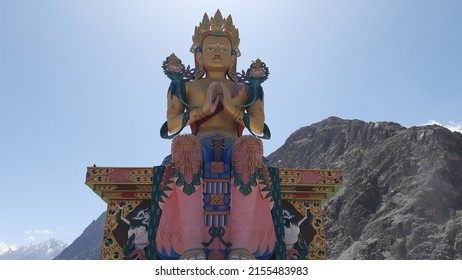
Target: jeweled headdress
{"points": [[218, 26]]}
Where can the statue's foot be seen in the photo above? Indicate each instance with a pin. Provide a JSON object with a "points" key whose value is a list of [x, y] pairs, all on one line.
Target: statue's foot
{"points": [[240, 254], [194, 254]]}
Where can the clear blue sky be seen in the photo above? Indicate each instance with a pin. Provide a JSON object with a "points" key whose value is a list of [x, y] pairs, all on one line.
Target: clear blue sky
{"points": [[81, 84]]}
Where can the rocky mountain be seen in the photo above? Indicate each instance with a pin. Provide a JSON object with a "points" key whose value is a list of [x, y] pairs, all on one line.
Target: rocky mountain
{"points": [[46, 250], [402, 195], [88, 245]]}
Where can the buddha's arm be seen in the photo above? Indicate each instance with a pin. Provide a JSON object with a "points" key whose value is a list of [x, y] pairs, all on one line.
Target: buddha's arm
{"points": [[257, 116], [256, 113], [176, 110]]}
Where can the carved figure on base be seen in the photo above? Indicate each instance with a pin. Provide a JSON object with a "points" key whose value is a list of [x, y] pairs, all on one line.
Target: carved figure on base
{"points": [[137, 233]]}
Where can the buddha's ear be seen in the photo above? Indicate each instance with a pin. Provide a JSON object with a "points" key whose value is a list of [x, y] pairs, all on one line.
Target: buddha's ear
{"points": [[198, 57], [232, 69], [232, 62], [200, 71]]}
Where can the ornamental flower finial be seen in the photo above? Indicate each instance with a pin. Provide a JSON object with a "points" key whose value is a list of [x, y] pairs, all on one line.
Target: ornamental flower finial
{"points": [[258, 71], [173, 67], [174, 64]]}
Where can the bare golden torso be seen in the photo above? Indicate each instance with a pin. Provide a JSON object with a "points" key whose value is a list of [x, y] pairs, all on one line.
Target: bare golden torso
{"points": [[221, 121]]}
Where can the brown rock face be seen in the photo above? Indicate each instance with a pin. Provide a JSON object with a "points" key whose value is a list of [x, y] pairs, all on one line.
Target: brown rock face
{"points": [[403, 187], [88, 245]]}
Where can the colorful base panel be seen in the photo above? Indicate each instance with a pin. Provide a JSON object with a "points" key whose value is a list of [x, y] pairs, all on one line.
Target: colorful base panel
{"points": [[128, 194]]}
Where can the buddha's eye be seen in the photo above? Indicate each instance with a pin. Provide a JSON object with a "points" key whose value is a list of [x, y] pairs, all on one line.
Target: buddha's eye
{"points": [[224, 50], [209, 49]]}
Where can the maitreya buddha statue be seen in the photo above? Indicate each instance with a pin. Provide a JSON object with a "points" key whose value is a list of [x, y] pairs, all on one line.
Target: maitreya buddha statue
{"points": [[217, 203]]}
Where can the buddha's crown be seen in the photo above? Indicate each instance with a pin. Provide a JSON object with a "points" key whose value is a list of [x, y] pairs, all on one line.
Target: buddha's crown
{"points": [[218, 26]]}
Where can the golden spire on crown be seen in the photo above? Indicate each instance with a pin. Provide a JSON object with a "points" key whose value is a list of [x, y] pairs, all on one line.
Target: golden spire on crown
{"points": [[218, 26]]}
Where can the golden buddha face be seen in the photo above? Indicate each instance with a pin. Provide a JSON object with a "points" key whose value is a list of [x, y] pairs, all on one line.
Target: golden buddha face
{"points": [[216, 54]]}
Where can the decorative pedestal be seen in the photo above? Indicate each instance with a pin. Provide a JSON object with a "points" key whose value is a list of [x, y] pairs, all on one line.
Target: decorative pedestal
{"points": [[128, 191]]}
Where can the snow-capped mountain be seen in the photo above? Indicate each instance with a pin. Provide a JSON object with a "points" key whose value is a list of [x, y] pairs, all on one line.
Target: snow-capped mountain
{"points": [[5, 247], [46, 250]]}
